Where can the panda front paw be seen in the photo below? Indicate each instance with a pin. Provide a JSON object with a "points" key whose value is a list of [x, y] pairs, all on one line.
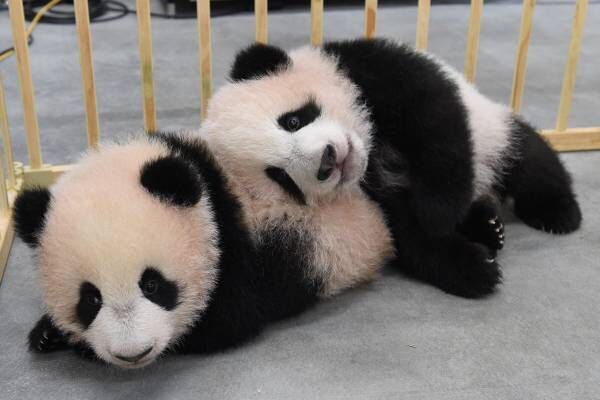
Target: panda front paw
{"points": [[483, 225], [45, 337]]}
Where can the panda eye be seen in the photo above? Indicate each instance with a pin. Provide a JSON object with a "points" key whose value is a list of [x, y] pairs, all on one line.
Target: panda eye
{"points": [[297, 119], [93, 299], [149, 287], [293, 123], [159, 290], [89, 305]]}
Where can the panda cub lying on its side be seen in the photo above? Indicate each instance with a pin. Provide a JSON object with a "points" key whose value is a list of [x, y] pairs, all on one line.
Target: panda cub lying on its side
{"points": [[144, 247], [441, 156]]}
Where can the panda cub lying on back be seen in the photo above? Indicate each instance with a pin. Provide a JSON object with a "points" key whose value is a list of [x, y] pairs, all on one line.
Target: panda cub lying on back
{"points": [[145, 247], [441, 156]]}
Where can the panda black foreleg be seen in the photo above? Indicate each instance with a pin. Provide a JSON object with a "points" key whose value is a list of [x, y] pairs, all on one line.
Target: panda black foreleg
{"points": [[45, 337], [483, 225], [540, 185], [450, 262]]}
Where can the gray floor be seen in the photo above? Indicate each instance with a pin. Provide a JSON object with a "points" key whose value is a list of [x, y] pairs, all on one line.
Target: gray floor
{"points": [[537, 338]]}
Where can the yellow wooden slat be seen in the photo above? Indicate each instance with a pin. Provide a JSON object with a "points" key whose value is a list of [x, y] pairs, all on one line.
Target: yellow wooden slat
{"points": [[204, 40], [370, 18], [82, 18], [261, 8], [574, 139], [3, 190], [423, 24], [17, 20], [147, 70], [7, 234], [6, 140], [473, 39], [522, 51], [316, 22], [566, 94]]}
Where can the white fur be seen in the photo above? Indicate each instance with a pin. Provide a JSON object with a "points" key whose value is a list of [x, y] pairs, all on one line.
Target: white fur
{"points": [[490, 125], [104, 227], [351, 240]]}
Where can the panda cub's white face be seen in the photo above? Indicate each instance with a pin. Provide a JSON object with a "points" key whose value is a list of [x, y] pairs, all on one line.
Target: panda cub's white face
{"points": [[121, 270], [302, 124]]}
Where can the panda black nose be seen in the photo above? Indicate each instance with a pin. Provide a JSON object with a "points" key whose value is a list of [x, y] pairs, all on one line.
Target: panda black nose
{"points": [[135, 358], [327, 163]]}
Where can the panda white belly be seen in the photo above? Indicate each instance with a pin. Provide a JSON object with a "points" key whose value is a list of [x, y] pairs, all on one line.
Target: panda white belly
{"points": [[490, 126]]}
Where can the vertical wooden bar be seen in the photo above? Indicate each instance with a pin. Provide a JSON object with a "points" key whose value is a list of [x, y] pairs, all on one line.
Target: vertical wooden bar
{"points": [[261, 8], [147, 70], [316, 22], [423, 24], [569, 77], [522, 51], [17, 20], [6, 141], [4, 206], [473, 39], [205, 51], [370, 18], [82, 19]]}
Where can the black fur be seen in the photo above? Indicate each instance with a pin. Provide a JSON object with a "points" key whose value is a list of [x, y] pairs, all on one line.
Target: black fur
{"points": [[45, 337], [297, 119], [242, 302], [283, 261], [420, 168], [540, 184], [483, 225], [416, 110], [158, 289], [29, 214], [258, 60], [89, 305], [172, 180], [279, 176]]}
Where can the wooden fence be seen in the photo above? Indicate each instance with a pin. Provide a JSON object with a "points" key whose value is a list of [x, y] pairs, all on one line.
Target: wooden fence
{"points": [[36, 172]]}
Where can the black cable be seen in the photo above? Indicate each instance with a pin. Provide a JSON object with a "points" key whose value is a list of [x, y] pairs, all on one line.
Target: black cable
{"points": [[9, 49], [98, 10]]}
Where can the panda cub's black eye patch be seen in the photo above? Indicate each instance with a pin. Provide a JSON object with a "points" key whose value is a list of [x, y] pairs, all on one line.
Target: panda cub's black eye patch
{"points": [[297, 119], [156, 288], [90, 302]]}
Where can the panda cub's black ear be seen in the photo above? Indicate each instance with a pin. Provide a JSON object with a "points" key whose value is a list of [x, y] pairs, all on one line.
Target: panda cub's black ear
{"points": [[258, 60], [173, 180], [29, 212]]}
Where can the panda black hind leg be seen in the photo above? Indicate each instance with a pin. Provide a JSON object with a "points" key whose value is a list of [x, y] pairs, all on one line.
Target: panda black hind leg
{"points": [[450, 262], [484, 225], [540, 185]]}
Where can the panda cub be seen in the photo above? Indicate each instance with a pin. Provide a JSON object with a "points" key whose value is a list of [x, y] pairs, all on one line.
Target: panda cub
{"points": [[145, 248], [433, 153]]}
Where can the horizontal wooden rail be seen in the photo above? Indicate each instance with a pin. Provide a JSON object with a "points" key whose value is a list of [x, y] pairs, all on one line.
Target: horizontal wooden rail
{"points": [[574, 139]]}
